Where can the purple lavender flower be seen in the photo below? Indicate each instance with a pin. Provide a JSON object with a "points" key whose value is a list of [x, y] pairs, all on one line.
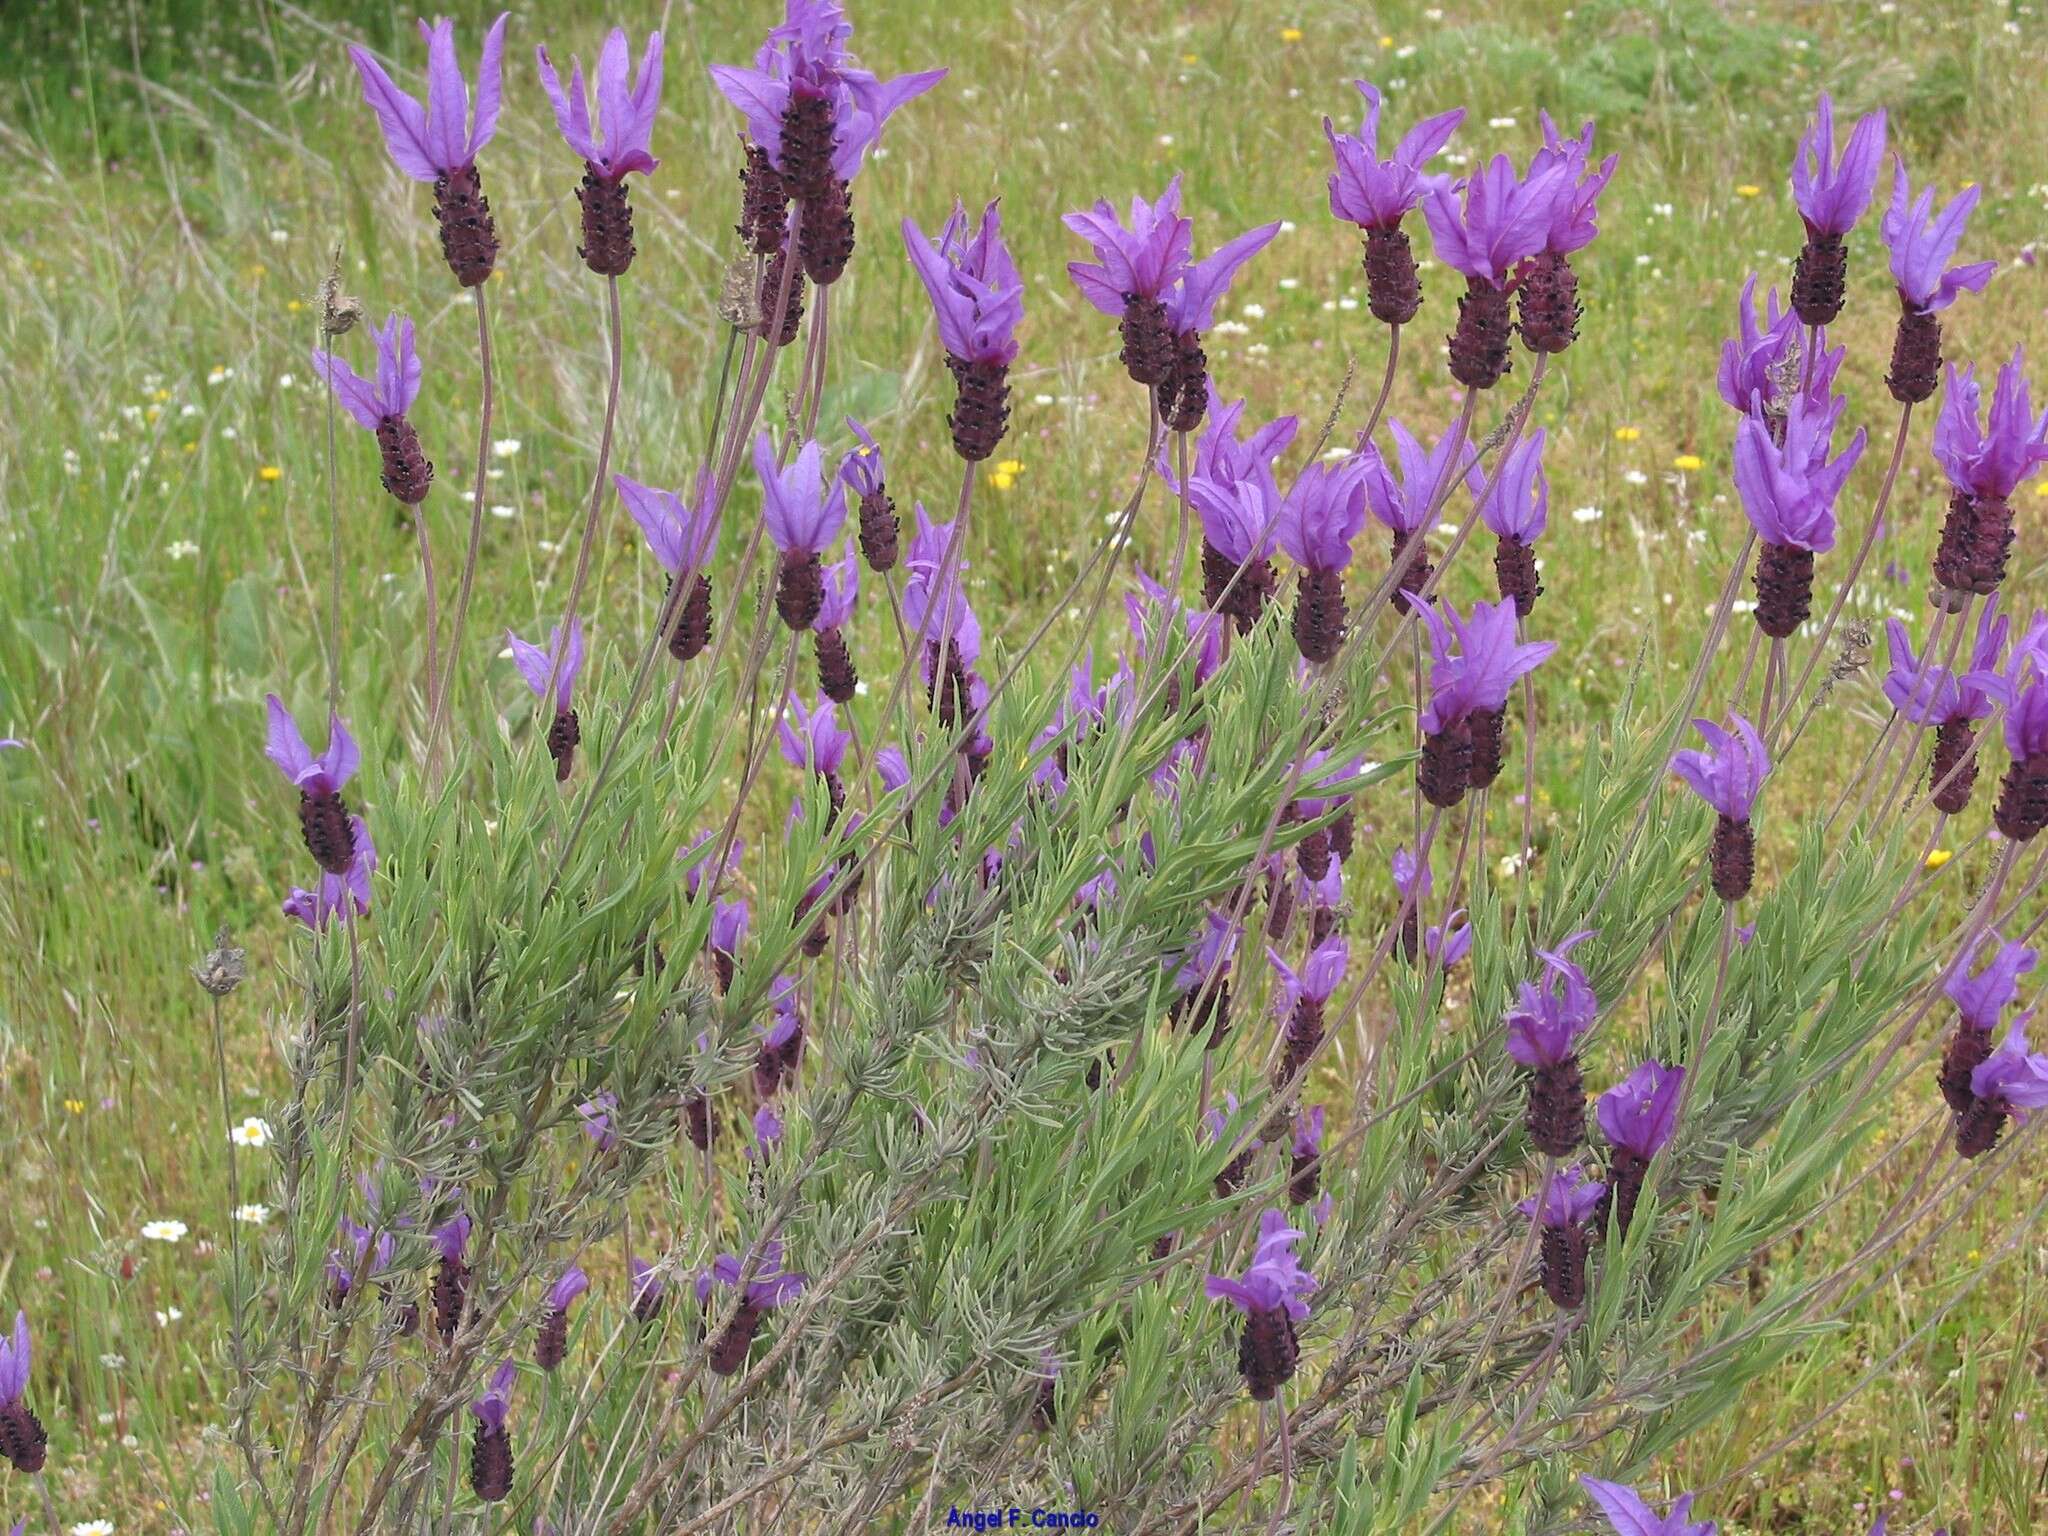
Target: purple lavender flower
{"points": [[1201, 977], [1377, 195], [620, 144], [803, 512], [563, 659], [771, 1286], [1754, 363], [782, 1042], [1404, 501], [1832, 194], [864, 473], [490, 1449], [22, 1439], [380, 405], [681, 537], [1630, 1516], [551, 1344], [324, 819], [1984, 466], [1637, 1116], [2010, 1083], [1324, 509], [1932, 695], [698, 869], [438, 142], [1560, 1211], [1543, 1030], [1136, 265], [1269, 1294], [812, 740], [1183, 396], [1300, 999], [838, 678], [1788, 488], [335, 894], [1305, 1157], [1546, 287], [1484, 227], [767, 1132], [648, 1290], [1473, 664], [355, 1257], [1518, 511], [1728, 775], [1922, 246], [1982, 999], [452, 1275], [728, 932], [978, 299]]}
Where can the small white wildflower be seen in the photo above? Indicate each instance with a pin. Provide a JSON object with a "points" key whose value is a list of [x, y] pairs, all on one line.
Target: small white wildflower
{"points": [[500, 510], [220, 375], [1252, 311], [252, 1215], [164, 1231], [285, 381], [1635, 477], [1041, 400], [166, 1316], [252, 1132], [93, 1528], [1289, 284], [184, 549], [280, 237], [1166, 140], [1500, 122], [504, 447], [1587, 514], [1287, 226]]}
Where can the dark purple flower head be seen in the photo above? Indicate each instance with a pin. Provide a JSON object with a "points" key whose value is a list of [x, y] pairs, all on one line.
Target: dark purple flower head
{"points": [[771, 1285], [802, 509], [1142, 258], [573, 1283], [2023, 689], [1486, 224], [321, 905], [1473, 662], [1450, 941], [1639, 1113], [1401, 499], [1274, 1279], [1323, 512], [428, 141], [396, 384], [1374, 193], [892, 768], [2014, 1075], [976, 292], [1789, 489], [1730, 772], [1832, 193], [1753, 362], [862, 471], [1308, 1132], [1548, 1017], [596, 1115], [1630, 1516], [1923, 245], [1519, 506], [806, 58], [1240, 517], [324, 774], [621, 140], [812, 738], [490, 1409], [14, 1361], [1982, 999], [1318, 977], [729, 926], [1928, 694], [451, 1238], [1192, 304], [1574, 207], [1567, 1199], [1992, 460], [1210, 954], [678, 534], [767, 1131], [535, 664], [842, 591]]}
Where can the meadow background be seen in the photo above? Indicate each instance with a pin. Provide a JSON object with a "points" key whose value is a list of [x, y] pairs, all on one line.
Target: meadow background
{"points": [[173, 179]]}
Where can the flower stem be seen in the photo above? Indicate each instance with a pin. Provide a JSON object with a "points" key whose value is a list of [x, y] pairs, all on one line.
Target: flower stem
{"points": [[598, 486], [438, 721]]}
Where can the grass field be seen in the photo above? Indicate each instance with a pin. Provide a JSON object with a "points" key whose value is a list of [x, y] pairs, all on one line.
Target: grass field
{"points": [[175, 177]]}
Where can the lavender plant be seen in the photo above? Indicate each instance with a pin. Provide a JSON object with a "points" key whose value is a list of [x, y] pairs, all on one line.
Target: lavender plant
{"points": [[914, 1054]]}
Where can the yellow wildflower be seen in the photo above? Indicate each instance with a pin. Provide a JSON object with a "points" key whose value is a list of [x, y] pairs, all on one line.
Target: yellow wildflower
{"points": [[1749, 189], [1627, 434], [1939, 857], [76, 1106], [1290, 34], [269, 474], [1688, 462]]}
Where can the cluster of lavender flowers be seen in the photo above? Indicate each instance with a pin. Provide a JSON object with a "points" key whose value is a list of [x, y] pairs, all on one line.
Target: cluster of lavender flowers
{"points": [[811, 114]]}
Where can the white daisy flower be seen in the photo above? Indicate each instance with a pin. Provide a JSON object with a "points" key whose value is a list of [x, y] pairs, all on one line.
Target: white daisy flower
{"points": [[164, 1231]]}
